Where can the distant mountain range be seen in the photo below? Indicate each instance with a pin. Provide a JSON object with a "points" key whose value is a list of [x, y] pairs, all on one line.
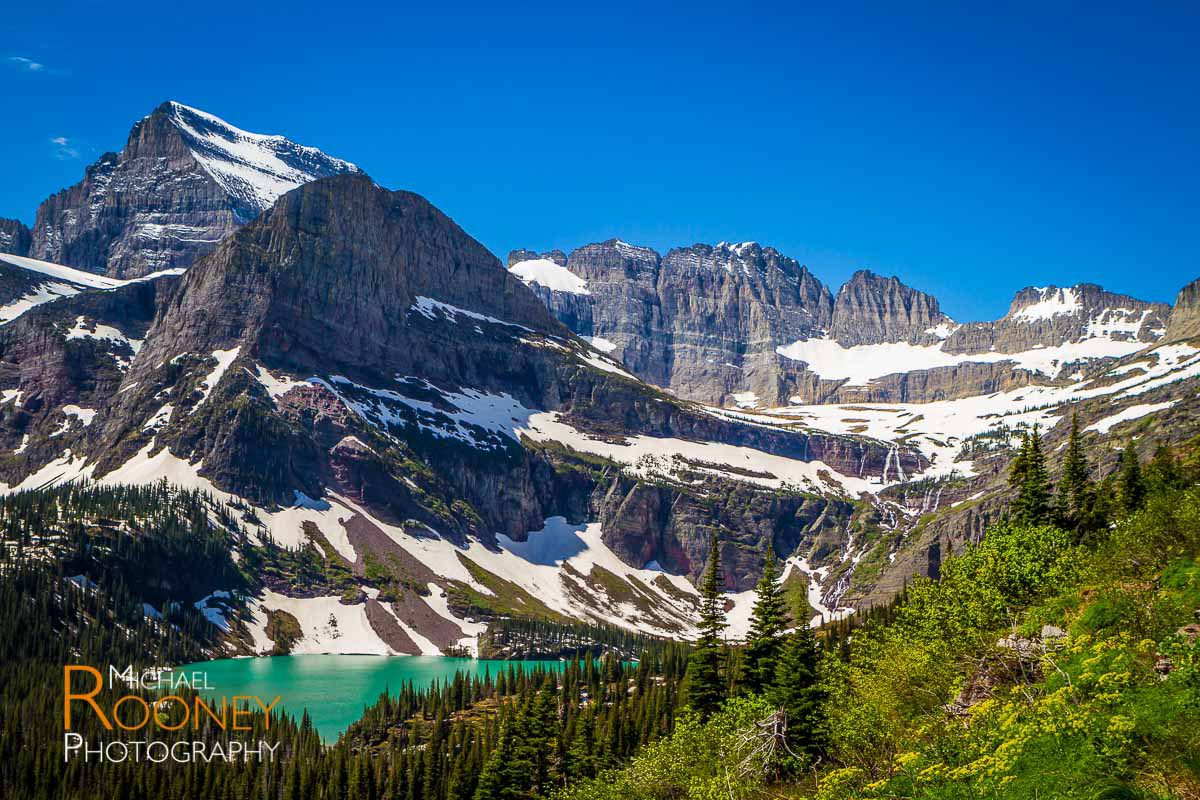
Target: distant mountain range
{"points": [[558, 439], [746, 326]]}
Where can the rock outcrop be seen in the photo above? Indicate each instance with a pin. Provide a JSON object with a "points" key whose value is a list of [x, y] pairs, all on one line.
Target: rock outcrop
{"points": [[702, 321], [654, 523], [1052, 316], [871, 309], [183, 182], [14, 237], [1184, 322]]}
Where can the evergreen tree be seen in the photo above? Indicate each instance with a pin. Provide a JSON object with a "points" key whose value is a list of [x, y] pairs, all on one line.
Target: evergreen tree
{"points": [[797, 692], [1131, 486], [1164, 473], [495, 779], [706, 690], [1018, 469], [1028, 477], [767, 624], [1076, 495]]}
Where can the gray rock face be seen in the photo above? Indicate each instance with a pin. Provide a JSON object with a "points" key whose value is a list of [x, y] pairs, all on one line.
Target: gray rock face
{"points": [[184, 181], [332, 276], [871, 309], [1184, 322], [931, 385], [1053, 316], [702, 321], [49, 369], [517, 256], [14, 237], [727, 307], [573, 310], [645, 522]]}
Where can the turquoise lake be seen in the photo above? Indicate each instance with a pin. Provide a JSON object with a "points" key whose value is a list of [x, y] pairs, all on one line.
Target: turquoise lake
{"points": [[335, 689]]}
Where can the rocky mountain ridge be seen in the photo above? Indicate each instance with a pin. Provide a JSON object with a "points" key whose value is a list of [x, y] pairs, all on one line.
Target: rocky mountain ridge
{"points": [[370, 381], [742, 325], [872, 309], [701, 321], [183, 182]]}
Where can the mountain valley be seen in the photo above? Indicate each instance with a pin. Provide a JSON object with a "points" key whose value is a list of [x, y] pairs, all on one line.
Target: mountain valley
{"points": [[421, 441]]}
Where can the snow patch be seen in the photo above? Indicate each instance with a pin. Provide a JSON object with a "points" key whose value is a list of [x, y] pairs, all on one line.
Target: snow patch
{"points": [[84, 415], [430, 309], [603, 345], [648, 456], [544, 272], [45, 293], [224, 359], [96, 330], [745, 399], [327, 625], [253, 167], [1124, 415], [861, 364], [1054, 302]]}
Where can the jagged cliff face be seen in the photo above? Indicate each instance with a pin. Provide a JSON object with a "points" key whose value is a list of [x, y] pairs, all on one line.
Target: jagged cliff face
{"points": [[184, 181], [332, 276], [870, 309], [1184, 322], [702, 321], [742, 325], [1053, 316], [14, 237]]}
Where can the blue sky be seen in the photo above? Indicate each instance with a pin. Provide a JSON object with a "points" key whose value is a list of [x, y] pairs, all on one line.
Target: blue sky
{"points": [[970, 152]]}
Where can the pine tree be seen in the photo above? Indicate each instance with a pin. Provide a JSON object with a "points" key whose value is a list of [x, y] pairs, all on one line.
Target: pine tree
{"points": [[541, 729], [1028, 477], [706, 690], [797, 691], [767, 624], [1163, 473], [1131, 486], [495, 777], [1075, 492]]}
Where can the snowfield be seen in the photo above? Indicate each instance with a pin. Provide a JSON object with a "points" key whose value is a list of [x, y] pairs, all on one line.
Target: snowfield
{"points": [[1054, 302], [861, 364], [600, 343], [94, 330], [45, 293], [939, 429], [436, 309], [1133, 412], [650, 455], [544, 272]]}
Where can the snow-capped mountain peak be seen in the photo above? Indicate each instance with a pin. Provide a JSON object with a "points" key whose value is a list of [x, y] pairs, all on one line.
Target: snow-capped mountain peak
{"points": [[253, 168], [184, 181]]}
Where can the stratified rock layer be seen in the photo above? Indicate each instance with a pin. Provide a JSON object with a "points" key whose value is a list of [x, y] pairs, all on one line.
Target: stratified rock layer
{"points": [[171, 195]]}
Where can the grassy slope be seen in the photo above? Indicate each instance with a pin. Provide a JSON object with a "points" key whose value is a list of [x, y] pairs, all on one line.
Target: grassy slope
{"points": [[1092, 715]]}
